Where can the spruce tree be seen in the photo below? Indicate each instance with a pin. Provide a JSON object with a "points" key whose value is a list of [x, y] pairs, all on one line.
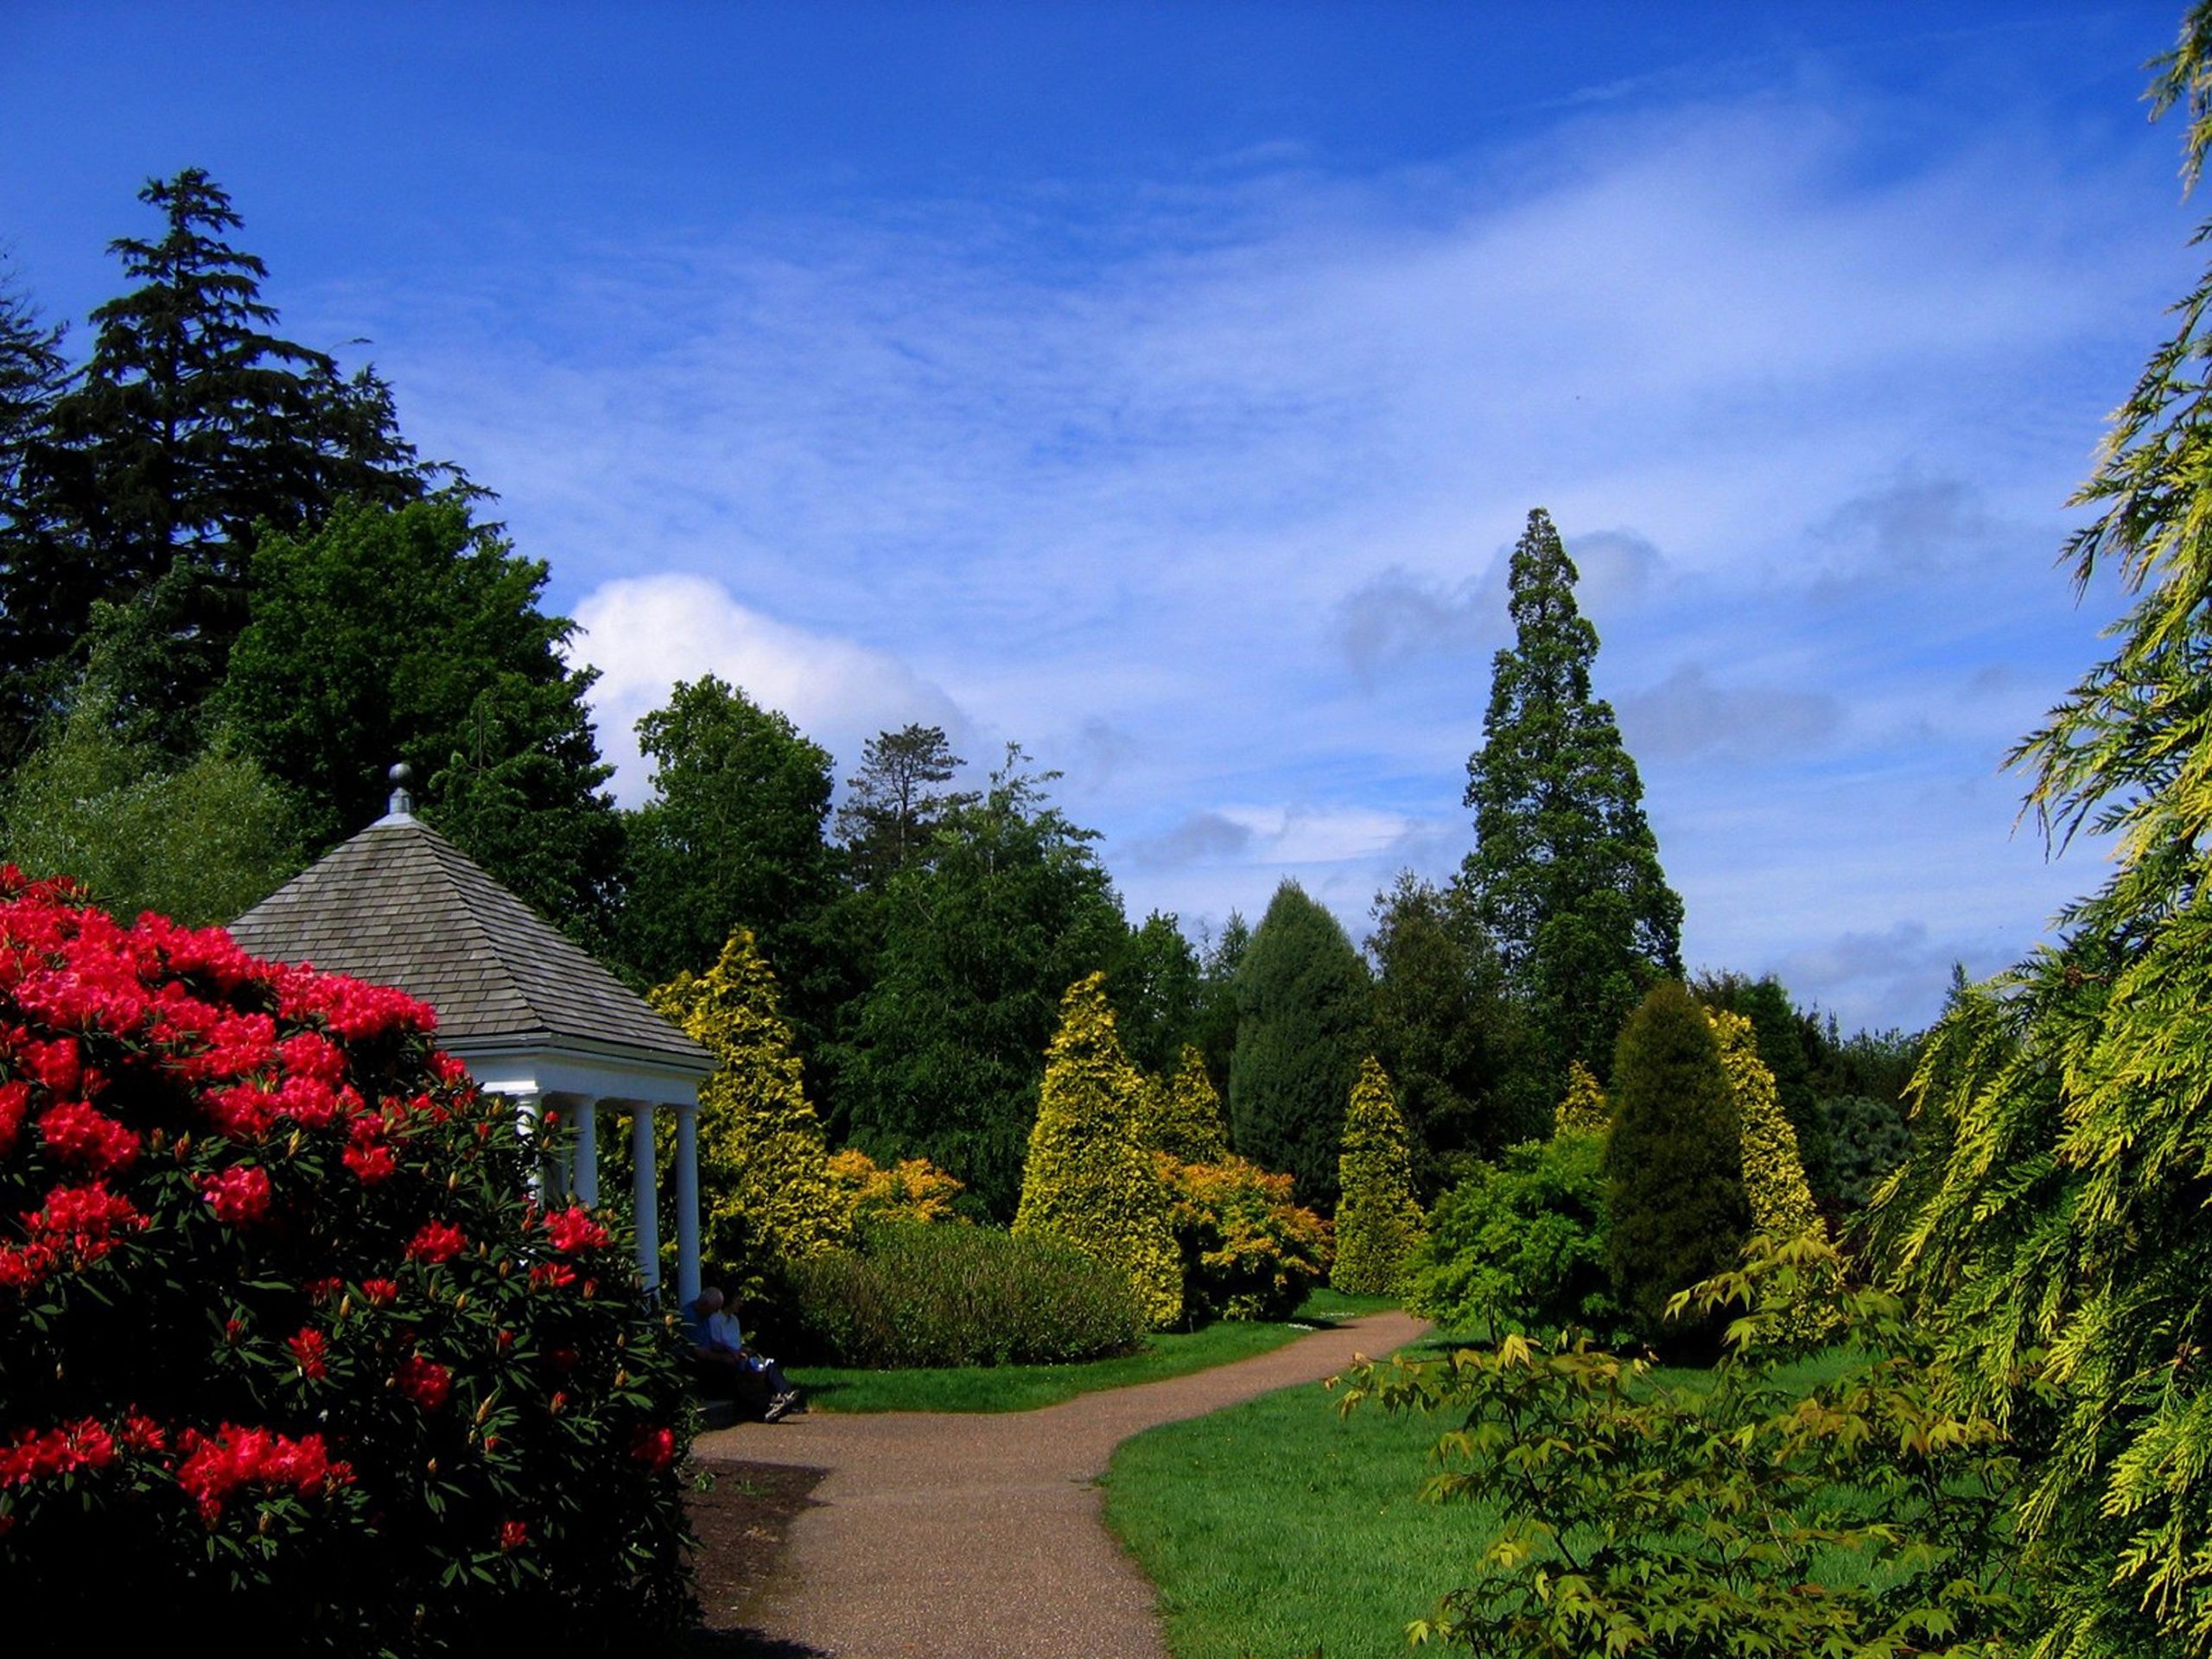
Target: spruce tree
{"points": [[1565, 873], [1673, 1164], [1087, 1182], [1301, 1029], [1379, 1225], [766, 1200]]}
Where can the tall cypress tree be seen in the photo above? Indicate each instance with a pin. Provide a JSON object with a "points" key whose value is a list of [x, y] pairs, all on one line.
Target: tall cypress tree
{"points": [[1302, 1025], [1564, 872], [1674, 1168]]}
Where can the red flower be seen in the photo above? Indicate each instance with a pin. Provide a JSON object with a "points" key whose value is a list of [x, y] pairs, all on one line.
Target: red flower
{"points": [[34, 1455], [558, 1274], [425, 1381], [654, 1447], [307, 1347], [80, 1133], [215, 1466], [512, 1536], [381, 1293], [240, 1194], [14, 1105], [437, 1241], [573, 1230]]}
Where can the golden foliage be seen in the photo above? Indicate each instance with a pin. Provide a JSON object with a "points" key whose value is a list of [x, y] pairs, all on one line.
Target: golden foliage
{"points": [[1087, 1182], [1181, 1115], [1583, 1109], [911, 1190], [1379, 1224], [766, 1197]]}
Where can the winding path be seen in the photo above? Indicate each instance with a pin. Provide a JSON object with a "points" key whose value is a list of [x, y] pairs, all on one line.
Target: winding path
{"points": [[940, 1536]]}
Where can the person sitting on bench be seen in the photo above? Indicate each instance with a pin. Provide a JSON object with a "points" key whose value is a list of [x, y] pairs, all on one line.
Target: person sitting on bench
{"points": [[723, 1354]]}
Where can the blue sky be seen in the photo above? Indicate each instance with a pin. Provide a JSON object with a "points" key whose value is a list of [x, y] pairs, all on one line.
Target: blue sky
{"points": [[1163, 386]]}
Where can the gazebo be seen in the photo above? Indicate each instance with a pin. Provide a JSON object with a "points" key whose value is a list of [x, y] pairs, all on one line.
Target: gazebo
{"points": [[528, 1011]]}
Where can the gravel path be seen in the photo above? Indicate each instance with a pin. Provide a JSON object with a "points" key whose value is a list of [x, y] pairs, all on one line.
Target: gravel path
{"points": [[942, 1535]]}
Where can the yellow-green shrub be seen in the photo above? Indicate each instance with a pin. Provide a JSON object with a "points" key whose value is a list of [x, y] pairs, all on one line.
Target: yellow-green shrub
{"points": [[1249, 1252], [1181, 1115], [912, 1191], [1378, 1222], [1582, 1110], [1774, 1178], [766, 1200], [1086, 1181]]}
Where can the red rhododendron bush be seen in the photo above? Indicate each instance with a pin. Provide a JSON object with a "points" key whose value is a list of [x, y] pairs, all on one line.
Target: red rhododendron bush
{"points": [[283, 1340]]}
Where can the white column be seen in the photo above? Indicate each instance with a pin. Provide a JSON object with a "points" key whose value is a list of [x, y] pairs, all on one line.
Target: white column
{"points": [[529, 1110], [585, 1182], [687, 1201], [644, 1195]]}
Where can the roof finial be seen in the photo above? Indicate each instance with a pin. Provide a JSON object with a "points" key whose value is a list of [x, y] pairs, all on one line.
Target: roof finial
{"points": [[401, 805]]}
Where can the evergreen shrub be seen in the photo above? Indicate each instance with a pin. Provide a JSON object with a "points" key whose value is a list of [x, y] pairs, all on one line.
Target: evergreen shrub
{"points": [[286, 1350], [1379, 1224], [1520, 1246], [1249, 1250], [931, 1295], [1087, 1182]]}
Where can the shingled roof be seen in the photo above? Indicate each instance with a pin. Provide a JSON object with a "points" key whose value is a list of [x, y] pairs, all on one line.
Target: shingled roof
{"points": [[400, 904]]}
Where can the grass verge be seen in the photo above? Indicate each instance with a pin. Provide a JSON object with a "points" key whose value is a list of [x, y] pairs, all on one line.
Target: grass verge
{"points": [[1026, 1388], [1276, 1529]]}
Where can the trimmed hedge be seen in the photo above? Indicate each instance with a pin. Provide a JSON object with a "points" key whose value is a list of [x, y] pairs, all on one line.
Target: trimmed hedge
{"points": [[934, 1295]]}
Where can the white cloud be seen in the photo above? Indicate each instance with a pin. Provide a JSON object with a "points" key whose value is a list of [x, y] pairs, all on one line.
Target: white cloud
{"points": [[646, 634]]}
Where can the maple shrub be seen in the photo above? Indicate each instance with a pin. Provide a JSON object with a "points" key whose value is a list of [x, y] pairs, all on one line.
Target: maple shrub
{"points": [[1249, 1252], [285, 1344]]}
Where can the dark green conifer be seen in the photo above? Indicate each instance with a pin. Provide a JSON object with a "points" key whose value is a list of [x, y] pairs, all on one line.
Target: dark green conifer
{"points": [[1565, 873], [1673, 1165], [1302, 1032]]}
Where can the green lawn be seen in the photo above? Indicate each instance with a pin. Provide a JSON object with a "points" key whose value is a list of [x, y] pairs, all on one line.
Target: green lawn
{"points": [[1278, 1530], [1275, 1528], [1025, 1387]]}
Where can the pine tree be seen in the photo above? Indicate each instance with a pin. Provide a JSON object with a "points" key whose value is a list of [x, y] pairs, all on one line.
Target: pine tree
{"points": [[193, 423], [1379, 1225], [766, 1200], [1302, 1026], [1180, 1115], [1565, 873], [1582, 1108], [2052, 1222], [1774, 1180], [894, 803], [1672, 1162], [1087, 1182]]}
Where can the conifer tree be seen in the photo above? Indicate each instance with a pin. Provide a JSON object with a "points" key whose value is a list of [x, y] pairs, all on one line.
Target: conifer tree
{"points": [[1673, 1162], [1379, 1225], [766, 1199], [1087, 1181], [1774, 1179], [1302, 1025], [2052, 1219], [1181, 1115], [32, 376], [1565, 873], [1582, 1108], [193, 423], [895, 802]]}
